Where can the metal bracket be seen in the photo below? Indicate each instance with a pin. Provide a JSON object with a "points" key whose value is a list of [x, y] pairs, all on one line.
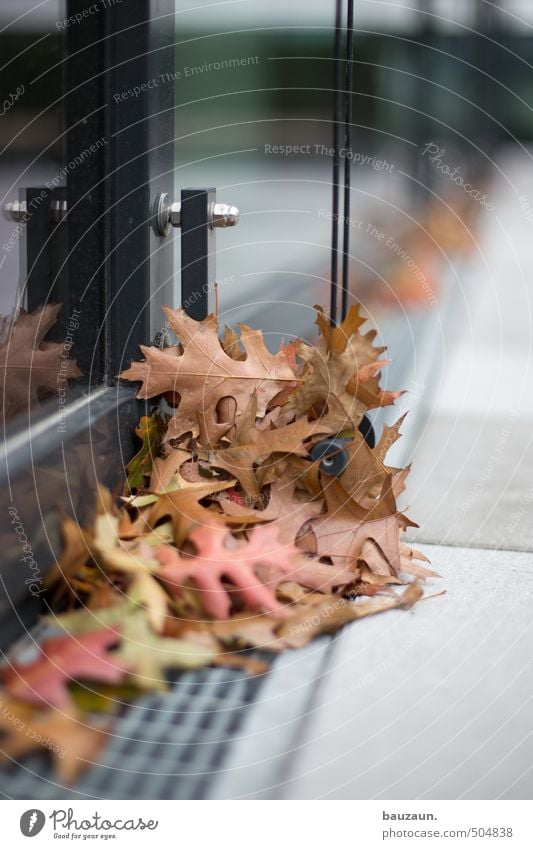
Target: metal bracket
{"points": [[198, 215], [39, 213]]}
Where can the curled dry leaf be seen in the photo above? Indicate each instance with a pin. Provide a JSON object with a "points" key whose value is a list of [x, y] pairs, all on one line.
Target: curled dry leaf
{"points": [[60, 661], [139, 468], [166, 471], [64, 735], [330, 378], [71, 564], [186, 513], [334, 612], [252, 445], [29, 364], [148, 656], [203, 374], [344, 530]]}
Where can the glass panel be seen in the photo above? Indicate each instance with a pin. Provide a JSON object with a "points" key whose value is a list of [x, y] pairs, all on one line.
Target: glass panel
{"points": [[254, 96], [436, 89], [32, 172]]}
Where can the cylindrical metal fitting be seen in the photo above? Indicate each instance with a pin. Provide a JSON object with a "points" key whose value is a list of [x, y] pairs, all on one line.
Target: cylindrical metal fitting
{"points": [[224, 215], [167, 215], [15, 210], [175, 214]]}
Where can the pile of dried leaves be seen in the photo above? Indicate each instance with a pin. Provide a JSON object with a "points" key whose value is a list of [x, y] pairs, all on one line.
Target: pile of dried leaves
{"points": [[229, 537]]}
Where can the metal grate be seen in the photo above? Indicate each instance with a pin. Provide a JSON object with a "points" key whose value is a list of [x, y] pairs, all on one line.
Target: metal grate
{"points": [[165, 746]]}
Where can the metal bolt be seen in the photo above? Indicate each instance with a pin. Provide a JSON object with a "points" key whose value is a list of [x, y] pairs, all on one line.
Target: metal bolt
{"points": [[58, 209], [224, 215], [167, 215], [175, 214], [15, 210]]}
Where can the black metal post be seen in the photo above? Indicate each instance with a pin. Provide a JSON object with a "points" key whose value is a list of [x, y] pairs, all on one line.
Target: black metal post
{"points": [[197, 250]]}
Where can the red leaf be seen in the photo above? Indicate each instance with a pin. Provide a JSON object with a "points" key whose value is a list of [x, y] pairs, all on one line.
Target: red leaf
{"points": [[63, 659], [255, 569]]}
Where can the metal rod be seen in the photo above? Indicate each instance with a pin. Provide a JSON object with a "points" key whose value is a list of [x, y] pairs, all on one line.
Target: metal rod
{"points": [[348, 159], [337, 82]]}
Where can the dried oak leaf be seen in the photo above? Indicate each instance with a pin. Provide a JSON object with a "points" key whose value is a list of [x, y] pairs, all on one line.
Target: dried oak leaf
{"points": [[341, 371], [389, 435], [348, 532], [186, 513], [148, 656], [254, 569], [166, 475], [252, 446], [61, 660], [70, 742], [407, 557], [112, 557], [28, 363], [333, 612], [364, 474], [248, 630], [290, 511], [277, 562], [149, 431], [71, 564], [202, 373]]}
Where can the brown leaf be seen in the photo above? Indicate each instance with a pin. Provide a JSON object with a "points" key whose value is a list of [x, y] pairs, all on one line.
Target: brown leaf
{"points": [[343, 530], [71, 743], [29, 364], [389, 435], [165, 469], [330, 366], [139, 468], [337, 338], [334, 612], [408, 555], [231, 344], [183, 508], [253, 445], [247, 630], [204, 374], [364, 474], [288, 513], [72, 561]]}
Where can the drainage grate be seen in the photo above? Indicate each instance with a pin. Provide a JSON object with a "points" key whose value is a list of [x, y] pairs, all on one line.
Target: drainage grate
{"points": [[165, 746]]}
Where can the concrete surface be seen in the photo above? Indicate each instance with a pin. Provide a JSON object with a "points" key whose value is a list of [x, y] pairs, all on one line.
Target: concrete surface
{"points": [[430, 703], [472, 480]]}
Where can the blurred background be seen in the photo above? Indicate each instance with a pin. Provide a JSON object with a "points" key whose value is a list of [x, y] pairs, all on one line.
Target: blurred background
{"points": [[255, 74], [442, 89], [442, 194]]}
